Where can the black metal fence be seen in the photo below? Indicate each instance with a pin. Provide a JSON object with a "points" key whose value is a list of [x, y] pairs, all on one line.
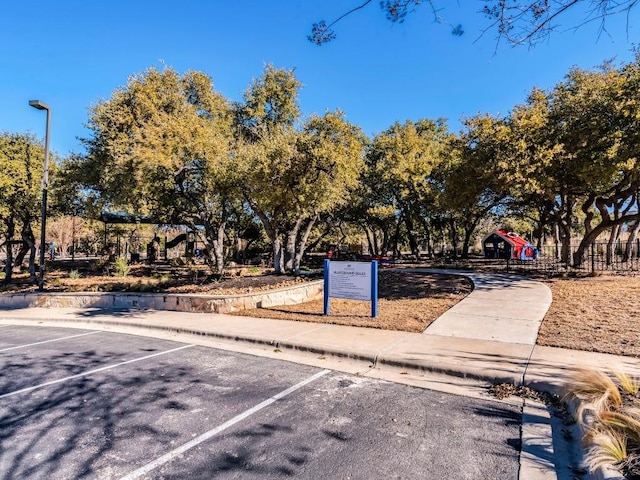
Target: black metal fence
{"points": [[597, 257]]}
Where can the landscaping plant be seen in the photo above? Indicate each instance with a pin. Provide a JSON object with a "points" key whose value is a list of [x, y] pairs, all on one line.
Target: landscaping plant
{"points": [[121, 267], [607, 407]]}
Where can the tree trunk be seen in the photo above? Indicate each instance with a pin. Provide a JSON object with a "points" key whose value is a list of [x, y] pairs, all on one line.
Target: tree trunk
{"points": [[396, 240], [384, 248], [376, 244], [273, 234], [218, 249], [313, 245], [603, 207], [454, 238], [22, 252], [290, 247], [369, 240], [580, 254], [633, 234], [565, 242], [468, 232], [611, 243], [278, 255], [411, 235], [302, 245], [8, 268], [30, 240], [428, 239]]}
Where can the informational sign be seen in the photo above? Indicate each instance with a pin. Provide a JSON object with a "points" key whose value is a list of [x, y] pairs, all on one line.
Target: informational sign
{"points": [[351, 280]]}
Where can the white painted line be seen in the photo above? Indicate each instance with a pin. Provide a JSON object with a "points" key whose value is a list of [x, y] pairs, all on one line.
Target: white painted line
{"points": [[101, 369], [211, 433], [47, 341]]}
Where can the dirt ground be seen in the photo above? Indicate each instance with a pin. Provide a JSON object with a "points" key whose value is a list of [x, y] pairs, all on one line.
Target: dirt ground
{"points": [[600, 313], [408, 301]]}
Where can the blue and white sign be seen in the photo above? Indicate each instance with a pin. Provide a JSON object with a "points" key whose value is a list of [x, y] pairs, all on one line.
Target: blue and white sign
{"points": [[353, 281]]}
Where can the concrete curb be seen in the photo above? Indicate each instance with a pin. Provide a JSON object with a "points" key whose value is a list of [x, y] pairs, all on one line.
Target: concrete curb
{"points": [[536, 454], [536, 458], [381, 354], [481, 359]]}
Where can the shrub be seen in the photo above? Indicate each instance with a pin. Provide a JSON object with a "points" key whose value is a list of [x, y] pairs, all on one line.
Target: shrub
{"points": [[594, 391], [607, 447], [610, 419], [628, 385], [121, 267]]}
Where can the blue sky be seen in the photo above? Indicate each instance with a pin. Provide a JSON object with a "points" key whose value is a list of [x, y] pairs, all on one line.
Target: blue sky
{"points": [[72, 53]]}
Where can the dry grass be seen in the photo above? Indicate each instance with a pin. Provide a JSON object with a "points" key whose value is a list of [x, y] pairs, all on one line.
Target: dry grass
{"points": [[600, 314], [158, 278], [610, 420], [594, 392], [408, 301]]}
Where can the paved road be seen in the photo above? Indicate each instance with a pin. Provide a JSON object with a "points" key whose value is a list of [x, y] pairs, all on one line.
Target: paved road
{"points": [[85, 404]]}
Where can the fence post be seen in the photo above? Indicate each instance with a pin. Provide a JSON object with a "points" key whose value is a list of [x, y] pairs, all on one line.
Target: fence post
{"points": [[593, 257]]}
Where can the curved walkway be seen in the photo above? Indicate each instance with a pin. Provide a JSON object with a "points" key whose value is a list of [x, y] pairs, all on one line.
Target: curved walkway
{"points": [[501, 308], [489, 336]]}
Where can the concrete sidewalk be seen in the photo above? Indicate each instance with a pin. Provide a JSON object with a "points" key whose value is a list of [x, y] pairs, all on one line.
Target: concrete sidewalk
{"points": [[489, 336]]}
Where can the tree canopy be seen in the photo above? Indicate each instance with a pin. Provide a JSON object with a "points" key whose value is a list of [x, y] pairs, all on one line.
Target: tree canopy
{"points": [[291, 176], [168, 145], [160, 146], [21, 170], [516, 22]]}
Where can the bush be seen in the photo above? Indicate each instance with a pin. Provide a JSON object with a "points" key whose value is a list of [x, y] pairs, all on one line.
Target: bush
{"points": [[121, 267], [609, 415]]}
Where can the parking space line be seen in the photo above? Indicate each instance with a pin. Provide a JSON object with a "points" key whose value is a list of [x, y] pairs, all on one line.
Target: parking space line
{"points": [[48, 341], [211, 433], [90, 372]]}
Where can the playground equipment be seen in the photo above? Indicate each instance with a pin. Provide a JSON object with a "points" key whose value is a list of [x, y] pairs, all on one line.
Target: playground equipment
{"points": [[509, 245], [190, 244]]}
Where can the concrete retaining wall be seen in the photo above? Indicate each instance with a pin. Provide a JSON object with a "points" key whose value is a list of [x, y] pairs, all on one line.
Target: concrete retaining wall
{"points": [[163, 301]]}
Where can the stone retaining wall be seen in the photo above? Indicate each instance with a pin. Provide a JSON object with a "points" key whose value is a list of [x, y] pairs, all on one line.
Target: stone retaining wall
{"points": [[163, 301]]}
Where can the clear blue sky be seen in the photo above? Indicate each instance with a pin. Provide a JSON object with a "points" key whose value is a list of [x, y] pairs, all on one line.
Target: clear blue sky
{"points": [[72, 53]]}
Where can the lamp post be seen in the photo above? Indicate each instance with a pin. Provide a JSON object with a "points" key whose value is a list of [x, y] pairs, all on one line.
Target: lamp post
{"points": [[40, 105]]}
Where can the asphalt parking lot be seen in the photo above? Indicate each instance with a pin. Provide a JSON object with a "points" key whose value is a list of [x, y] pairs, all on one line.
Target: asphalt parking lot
{"points": [[92, 404]]}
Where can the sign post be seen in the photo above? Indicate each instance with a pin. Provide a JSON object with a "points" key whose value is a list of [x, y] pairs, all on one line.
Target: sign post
{"points": [[351, 280]]}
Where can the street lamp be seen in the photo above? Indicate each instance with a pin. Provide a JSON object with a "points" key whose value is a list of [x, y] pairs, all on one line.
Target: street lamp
{"points": [[40, 105]]}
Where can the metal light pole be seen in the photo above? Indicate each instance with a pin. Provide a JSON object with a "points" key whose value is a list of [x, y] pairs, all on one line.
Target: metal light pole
{"points": [[40, 105]]}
